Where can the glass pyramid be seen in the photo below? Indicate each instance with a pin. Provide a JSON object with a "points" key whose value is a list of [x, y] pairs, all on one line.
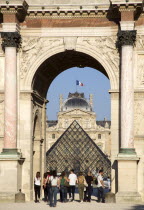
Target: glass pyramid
{"points": [[76, 150]]}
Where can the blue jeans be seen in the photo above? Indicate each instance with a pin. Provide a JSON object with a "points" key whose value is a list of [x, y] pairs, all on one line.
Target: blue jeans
{"points": [[88, 193], [101, 194], [63, 191], [48, 193], [53, 196]]}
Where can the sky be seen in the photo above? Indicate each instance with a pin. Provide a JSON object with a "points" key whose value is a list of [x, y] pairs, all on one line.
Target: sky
{"points": [[94, 82]]}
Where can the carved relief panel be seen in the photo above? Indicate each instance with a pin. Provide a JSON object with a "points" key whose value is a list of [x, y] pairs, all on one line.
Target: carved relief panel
{"points": [[139, 114], [140, 62], [33, 48], [140, 71], [106, 46]]}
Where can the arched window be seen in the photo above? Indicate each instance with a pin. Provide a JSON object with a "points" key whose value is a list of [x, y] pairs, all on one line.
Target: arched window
{"points": [[53, 136]]}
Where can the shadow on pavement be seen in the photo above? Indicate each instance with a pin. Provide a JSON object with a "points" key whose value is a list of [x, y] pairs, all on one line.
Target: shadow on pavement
{"points": [[137, 207]]}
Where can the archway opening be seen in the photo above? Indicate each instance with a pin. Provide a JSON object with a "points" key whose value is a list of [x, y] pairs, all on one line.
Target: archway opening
{"points": [[51, 68], [59, 63]]}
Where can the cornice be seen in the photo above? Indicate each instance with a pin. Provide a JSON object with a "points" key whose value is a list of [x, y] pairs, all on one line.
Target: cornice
{"points": [[129, 5], [67, 12], [18, 7]]}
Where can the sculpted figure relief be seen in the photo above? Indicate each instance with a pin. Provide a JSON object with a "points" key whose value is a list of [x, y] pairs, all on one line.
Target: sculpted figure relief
{"points": [[140, 73], [140, 42], [106, 46], [32, 48], [139, 118]]}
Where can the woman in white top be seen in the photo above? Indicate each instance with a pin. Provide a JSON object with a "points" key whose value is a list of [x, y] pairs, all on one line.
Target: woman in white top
{"points": [[54, 180], [37, 186]]}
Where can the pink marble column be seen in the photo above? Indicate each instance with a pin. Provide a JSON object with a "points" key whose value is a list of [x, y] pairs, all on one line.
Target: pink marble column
{"points": [[10, 116], [11, 41], [127, 97], [126, 42]]}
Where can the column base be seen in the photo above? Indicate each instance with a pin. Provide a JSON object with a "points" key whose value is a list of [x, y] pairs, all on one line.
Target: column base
{"points": [[110, 197], [127, 179], [128, 197], [10, 173], [10, 152], [127, 151]]}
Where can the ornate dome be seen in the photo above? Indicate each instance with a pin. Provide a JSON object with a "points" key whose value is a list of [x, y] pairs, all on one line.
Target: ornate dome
{"points": [[76, 101]]}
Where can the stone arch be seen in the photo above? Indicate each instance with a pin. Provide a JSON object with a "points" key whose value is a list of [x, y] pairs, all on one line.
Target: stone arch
{"points": [[36, 142], [110, 69], [36, 122]]}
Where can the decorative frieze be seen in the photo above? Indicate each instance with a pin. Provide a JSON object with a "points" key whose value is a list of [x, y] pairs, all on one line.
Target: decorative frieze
{"points": [[126, 38], [10, 39], [140, 72], [105, 46], [140, 42], [139, 117], [32, 48]]}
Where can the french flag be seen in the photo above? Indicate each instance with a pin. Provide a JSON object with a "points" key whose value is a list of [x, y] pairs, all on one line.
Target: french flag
{"points": [[79, 83]]}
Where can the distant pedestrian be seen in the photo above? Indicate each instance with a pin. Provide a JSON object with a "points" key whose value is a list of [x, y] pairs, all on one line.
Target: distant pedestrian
{"points": [[54, 180], [100, 188], [49, 173], [45, 187], [37, 186], [72, 182], [81, 181], [89, 188], [63, 180]]}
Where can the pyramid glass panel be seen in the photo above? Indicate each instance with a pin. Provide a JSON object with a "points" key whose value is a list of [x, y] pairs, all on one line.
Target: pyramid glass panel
{"points": [[76, 150]]}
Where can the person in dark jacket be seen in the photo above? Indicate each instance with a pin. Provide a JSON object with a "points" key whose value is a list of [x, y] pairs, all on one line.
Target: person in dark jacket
{"points": [[89, 188]]}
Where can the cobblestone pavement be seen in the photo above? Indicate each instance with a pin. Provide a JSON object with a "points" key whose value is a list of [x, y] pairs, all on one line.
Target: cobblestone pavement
{"points": [[71, 206]]}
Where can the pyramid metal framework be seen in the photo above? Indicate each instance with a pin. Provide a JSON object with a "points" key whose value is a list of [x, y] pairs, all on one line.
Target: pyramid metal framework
{"points": [[75, 149]]}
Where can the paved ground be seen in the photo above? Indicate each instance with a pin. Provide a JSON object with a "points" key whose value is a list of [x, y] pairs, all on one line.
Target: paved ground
{"points": [[71, 206]]}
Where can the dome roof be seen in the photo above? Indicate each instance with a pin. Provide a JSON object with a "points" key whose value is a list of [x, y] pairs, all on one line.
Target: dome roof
{"points": [[76, 101]]}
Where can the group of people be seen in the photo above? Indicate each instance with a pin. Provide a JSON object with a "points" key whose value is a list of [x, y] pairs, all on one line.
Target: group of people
{"points": [[66, 185]]}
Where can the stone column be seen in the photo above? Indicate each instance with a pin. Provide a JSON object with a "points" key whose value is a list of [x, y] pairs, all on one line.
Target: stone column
{"points": [[126, 41], [10, 44], [127, 158]]}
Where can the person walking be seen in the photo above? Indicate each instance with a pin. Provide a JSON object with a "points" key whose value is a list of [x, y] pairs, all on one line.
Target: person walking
{"points": [[45, 187], [63, 187], [72, 182], [81, 180], [49, 173], [89, 188], [54, 180], [100, 187], [37, 186]]}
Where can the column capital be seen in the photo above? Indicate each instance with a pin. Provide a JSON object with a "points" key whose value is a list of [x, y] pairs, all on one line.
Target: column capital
{"points": [[126, 38], [10, 39]]}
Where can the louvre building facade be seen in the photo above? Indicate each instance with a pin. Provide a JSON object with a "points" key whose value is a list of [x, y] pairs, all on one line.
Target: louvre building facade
{"points": [[77, 126]]}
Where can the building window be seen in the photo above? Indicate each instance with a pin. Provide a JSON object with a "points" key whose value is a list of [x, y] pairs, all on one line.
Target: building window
{"points": [[99, 136], [53, 136]]}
